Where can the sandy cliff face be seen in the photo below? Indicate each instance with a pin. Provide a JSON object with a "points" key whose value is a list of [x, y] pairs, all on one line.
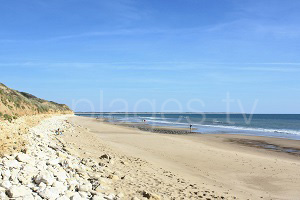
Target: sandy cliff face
{"points": [[14, 104], [24, 111]]}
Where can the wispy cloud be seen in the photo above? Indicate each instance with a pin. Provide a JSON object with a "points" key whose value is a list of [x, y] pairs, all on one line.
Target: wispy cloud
{"points": [[163, 66]]}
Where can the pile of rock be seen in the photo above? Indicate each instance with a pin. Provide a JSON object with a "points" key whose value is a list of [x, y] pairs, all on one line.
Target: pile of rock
{"points": [[47, 170]]}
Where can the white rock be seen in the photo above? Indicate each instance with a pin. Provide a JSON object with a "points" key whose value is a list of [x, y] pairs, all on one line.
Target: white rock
{"points": [[6, 174], [29, 168], [37, 197], [45, 177], [42, 186], [60, 186], [99, 197], [12, 164], [18, 191], [62, 198], [76, 196], [86, 187], [83, 195], [54, 162], [69, 193], [21, 157], [14, 175], [26, 177], [3, 196], [50, 193], [61, 175], [72, 182], [6, 184], [2, 193]]}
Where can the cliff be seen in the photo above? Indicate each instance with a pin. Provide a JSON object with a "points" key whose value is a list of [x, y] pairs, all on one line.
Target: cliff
{"points": [[14, 104]]}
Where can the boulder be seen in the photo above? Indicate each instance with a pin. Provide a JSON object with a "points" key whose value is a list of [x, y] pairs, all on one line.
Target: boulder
{"points": [[22, 157], [12, 164], [6, 184], [50, 193], [18, 191], [61, 175], [44, 177], [60, 186]]}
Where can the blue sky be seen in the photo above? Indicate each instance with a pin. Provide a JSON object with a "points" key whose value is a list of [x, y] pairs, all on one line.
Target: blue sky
{"points": [[165, 52]]}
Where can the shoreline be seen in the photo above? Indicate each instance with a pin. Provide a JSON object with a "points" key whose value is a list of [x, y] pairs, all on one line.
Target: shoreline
{"points": [[263, 142], [209, 161], [208, 128]]}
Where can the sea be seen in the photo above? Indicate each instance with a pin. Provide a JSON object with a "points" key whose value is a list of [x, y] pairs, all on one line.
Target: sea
{"points": [[270, 125]]}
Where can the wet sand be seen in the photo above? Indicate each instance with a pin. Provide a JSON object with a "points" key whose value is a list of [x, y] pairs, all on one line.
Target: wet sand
{"points": [[194, 166]]}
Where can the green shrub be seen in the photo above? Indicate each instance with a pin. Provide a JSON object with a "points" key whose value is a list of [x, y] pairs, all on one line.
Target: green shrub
{"points": [[1, 114], [7, 117]]}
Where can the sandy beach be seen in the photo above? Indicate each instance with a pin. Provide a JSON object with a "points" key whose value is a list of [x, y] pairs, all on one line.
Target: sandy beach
{"points": [[195, 166]]}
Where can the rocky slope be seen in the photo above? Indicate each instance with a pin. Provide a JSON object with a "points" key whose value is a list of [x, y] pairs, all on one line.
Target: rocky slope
{"points": [[47, 169], [14, 104]]}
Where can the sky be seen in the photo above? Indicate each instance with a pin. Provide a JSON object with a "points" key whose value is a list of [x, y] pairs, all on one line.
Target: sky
{"points": [[138, 55]]}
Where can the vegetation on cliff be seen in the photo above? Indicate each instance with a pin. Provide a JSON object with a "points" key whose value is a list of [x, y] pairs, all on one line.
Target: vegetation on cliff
{"points": [[14, 104]]}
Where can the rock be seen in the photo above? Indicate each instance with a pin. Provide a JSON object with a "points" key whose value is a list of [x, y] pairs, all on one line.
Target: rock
{"points": [[60, 186], [124, 163], [151, 196], [14, 176], [105, 156], [76, 196], [84, 195], [72, 182], [63, 198], [53, 162], [29, 169], [3, 196], [25, 179], [69, 193], [86, 187], [6, 174], [6, 184], [12, 164], [21, 157], [61, 154], [61, 175], [98, 197], [42, 186], [113, 177], [44, 177], [50, 193], [18, 191]]}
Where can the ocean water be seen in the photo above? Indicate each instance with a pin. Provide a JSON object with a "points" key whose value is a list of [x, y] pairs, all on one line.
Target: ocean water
{"points": [[271, 125]]}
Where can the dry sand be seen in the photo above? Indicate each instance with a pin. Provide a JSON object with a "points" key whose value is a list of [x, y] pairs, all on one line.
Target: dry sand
{"points": [[190, 166]]}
